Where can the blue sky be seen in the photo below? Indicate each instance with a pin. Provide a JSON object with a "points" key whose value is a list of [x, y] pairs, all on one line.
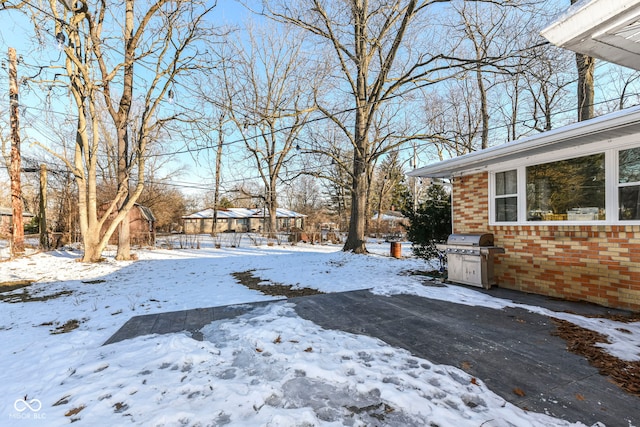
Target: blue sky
{"points": [[17, 31]]}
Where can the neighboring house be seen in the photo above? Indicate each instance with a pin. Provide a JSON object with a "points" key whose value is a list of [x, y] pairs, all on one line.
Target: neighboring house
{"points": [[240, 220], [6, 220], [565, 204], [141, 226], [389, 223]]}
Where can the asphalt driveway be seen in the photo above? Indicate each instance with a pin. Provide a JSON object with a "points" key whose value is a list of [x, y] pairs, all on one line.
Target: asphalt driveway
{"points": [[512, 350]]}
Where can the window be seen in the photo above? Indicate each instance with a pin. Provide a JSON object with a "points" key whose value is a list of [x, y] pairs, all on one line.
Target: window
{"points": [[506, 196], [598, 187], [629, 184], [567, 190]]}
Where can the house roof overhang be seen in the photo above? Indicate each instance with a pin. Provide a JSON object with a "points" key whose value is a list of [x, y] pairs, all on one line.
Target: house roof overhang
{"points": [[614, 125], [605, 29]]}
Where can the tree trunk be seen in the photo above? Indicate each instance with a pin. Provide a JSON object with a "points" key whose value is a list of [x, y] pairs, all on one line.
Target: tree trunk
{"points": [[44, 236], [216, 194], [356, 238], [586, 68], [484, 109], [17, 233], [359, 185], [124, 233], [124, 238], [272, 204], [92, 248]]}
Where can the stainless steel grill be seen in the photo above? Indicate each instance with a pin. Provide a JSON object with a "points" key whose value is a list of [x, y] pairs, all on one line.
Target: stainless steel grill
{"points": [[470, 259]]}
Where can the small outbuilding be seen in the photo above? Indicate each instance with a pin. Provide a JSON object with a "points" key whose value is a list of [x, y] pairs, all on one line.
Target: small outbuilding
{"points": [[142, 227], [6, 220]]}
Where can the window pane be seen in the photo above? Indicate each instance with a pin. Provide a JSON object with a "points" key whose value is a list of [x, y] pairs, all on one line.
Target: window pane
{"points": [[629, 165], [507, 209], [629, 202], [572, 190], [506, 183]]}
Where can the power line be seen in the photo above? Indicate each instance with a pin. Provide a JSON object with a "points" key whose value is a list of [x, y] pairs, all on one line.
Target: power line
{"points": [[274, 131], [191, 150]]}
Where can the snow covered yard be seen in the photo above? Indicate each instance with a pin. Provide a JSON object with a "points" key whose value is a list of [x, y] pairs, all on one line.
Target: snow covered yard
{"points": [[268, 368]]}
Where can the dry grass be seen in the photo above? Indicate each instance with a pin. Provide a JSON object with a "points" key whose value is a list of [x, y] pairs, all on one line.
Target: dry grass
{"points": [[584, 342]]}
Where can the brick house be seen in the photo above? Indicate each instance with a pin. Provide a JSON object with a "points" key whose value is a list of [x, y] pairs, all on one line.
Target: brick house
{"points": [[565, 204]]}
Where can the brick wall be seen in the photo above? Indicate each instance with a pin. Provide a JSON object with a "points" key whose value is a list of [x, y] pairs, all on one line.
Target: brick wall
{"points": [[600, 263]]}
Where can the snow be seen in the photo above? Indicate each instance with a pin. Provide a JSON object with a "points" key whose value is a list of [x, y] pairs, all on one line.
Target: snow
{"points": [[269, 367]]}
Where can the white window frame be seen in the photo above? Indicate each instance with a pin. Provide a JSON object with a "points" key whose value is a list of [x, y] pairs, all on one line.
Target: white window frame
{"points": [[611, 181], [493, 196], [619, 185]]}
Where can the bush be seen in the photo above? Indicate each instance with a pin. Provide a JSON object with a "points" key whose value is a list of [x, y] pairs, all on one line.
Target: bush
{"points": [[430, 224]]}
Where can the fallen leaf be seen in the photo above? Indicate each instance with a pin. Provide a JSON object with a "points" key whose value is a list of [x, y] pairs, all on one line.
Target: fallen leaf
{"points": [[74, 411], [308, 349], [579, 396], [277, 340], [62, 401], [259, 350], [474, 381], [465, 366], [518, 391], [119, 407]]}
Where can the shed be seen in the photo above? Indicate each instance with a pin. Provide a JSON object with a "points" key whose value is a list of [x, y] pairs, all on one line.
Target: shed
{"points": [[141, 226], [6, 220]]}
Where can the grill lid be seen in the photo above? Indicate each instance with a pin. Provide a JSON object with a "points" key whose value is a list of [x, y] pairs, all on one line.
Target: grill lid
{"points": [[469, 239]]}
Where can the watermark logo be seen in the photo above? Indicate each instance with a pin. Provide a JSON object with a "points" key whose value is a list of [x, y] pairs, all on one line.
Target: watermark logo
{"points": [[28, 409], [21, 405]]}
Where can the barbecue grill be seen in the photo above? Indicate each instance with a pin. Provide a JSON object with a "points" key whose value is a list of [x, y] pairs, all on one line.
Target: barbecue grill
{"points": [[470, 259]]}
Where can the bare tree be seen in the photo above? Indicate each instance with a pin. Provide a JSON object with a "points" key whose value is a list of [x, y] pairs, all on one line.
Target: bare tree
{"points": [[377, 58], [483, 25], [267, 90], [112, 69], [546, 82]]}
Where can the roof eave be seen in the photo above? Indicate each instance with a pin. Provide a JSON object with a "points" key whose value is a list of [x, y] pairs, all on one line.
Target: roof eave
{"points": [[594, 28], [603, 127]]}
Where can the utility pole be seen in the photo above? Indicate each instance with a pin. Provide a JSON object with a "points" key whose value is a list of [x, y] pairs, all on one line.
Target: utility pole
{"points": [[17, 234]]}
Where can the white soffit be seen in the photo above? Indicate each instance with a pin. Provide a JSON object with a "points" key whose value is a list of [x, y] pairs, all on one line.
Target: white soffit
{"points": [[605, 29]]}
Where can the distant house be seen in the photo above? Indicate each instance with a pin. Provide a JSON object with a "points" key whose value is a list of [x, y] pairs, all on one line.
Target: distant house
{"points": [[240, 220], [141, 226], [565, 204], [6, 220], [389, 223]]}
